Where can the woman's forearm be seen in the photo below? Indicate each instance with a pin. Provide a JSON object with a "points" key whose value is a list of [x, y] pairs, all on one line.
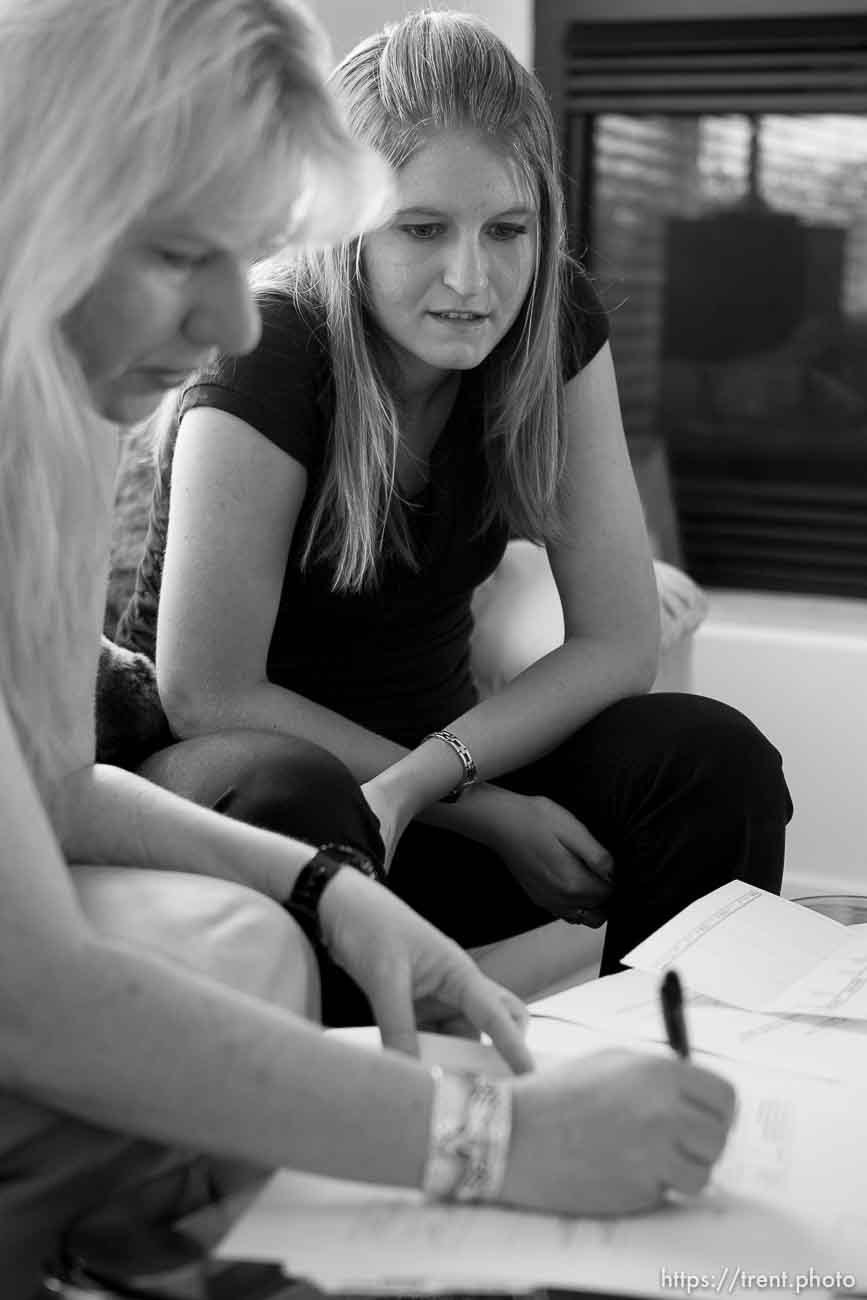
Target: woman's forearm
{"points": [[270, 707], [265, 706], [111, 1031], [126, 1038], [109, 815], [533, 714], [112, 816], [550, 700], [129, 1041], [529, 717]]}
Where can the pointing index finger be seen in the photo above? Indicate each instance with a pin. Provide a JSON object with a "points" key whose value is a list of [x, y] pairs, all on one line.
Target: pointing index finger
{"points": [[503, 1017], [395, 1015]]}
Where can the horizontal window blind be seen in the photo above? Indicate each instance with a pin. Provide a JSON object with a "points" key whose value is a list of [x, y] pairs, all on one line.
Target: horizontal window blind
{"points": [[659, 133], [718, 66], [775, 536]]}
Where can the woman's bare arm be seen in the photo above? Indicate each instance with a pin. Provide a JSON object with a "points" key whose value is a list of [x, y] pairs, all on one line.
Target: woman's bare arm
{"points": [[106, 815], [122, 1037], [119, 1036], [603, 571], [235, 504]]}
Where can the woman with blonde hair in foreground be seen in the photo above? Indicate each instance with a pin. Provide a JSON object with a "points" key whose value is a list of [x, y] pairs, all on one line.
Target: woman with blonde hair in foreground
{"points": [[150, 151]]}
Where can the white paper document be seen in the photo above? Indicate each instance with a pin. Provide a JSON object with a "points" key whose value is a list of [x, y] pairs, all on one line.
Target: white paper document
{"points": [[788, 1203], [628, 1005], [750, 948]]}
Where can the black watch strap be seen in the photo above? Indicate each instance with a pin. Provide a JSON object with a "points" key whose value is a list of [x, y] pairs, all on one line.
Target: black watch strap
{"points": [[303, 902], [352, 857]]}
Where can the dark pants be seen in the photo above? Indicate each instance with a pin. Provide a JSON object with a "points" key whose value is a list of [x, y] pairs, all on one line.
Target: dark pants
{"points": [[64, 1184], [685, 792]]}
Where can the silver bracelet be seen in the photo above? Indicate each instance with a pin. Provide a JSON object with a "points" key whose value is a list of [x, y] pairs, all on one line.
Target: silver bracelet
{"points": [[470, 774], [470, 1131]]}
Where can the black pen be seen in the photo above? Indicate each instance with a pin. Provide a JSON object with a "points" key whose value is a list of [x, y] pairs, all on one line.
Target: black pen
{"points": [[671, 996]]}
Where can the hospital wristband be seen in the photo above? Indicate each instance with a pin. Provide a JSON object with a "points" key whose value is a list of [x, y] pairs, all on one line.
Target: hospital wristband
{"points": [[470, 1132]]}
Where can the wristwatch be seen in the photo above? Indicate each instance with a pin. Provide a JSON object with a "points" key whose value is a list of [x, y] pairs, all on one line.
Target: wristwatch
{"points": [[303, 902]]}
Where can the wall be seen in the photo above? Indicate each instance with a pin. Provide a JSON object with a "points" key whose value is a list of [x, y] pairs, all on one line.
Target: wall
{"points": [[797, 666], [347, 21]]}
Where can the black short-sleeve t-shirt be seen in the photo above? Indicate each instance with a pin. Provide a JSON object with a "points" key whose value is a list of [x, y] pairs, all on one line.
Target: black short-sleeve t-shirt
{"points": [[395, 657]]}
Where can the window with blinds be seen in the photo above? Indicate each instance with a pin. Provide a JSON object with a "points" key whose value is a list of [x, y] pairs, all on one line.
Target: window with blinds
{"points": [[717, 186]]}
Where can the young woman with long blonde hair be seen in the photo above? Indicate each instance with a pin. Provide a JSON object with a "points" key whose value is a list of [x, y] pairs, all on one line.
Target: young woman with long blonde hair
{"points": [[326, 507]]}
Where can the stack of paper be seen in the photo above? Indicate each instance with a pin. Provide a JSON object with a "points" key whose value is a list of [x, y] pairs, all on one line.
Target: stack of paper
{"points": [[767, 980], [752, 949], [787, 1210]]}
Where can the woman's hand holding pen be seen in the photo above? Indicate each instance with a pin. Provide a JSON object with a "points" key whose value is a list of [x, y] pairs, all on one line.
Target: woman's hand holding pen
{"points": [[559, 863], [413, 974], [613, 1133]]}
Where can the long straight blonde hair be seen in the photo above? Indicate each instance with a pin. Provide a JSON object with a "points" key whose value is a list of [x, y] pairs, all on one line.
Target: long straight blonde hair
{"points": [[437, 69], [106, 108]]}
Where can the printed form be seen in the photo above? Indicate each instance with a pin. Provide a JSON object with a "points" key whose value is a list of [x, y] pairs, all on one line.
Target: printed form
{"points": [[750, 948], [786, 1204], [627, 1004]]}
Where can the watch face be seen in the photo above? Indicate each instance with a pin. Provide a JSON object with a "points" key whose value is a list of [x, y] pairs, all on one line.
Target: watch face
{"points": [[352, 857]]}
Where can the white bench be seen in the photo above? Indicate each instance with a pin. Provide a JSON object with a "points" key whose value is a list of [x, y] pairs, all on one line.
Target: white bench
{"points": [[797, 665]]}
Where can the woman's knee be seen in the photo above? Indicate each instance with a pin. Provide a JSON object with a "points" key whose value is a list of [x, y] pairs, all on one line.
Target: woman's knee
{"points": [[233, 934], [283, 778], [735, 758], [300, 789], [282, 783], [724, 793], [694, 742]]}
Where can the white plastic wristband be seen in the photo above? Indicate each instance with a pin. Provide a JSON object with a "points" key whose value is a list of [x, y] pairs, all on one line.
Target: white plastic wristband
{"points": [[470, 1131]]}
